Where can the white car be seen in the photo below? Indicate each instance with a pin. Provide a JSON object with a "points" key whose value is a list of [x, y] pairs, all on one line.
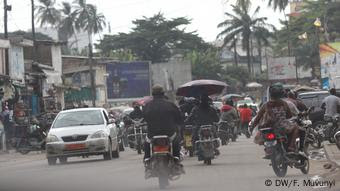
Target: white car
{"points": [[82, 132]]}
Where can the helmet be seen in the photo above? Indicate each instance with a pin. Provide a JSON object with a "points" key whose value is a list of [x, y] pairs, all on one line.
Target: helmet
{"points": [[157, 90], [276, 91]]}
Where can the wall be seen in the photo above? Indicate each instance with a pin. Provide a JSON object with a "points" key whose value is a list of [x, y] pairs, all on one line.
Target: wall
{"points": [[171, 74], [330, 65]]}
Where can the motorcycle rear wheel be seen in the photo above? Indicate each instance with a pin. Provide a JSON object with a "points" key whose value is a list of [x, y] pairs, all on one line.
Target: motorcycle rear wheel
{"points": [[279, 166], [163, 182], [207, 161]]}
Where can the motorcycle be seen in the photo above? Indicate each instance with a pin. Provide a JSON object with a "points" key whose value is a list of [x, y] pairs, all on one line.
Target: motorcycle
{"points": [[137, 137], [187, 140], [162, 163], [326, 130], [35, 140], [276, 145], [206, 144], [226, 132]]}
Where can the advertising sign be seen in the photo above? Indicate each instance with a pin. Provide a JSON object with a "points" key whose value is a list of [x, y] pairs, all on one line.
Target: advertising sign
{"points": [[282, 68], [330, 65], [128, 79]]}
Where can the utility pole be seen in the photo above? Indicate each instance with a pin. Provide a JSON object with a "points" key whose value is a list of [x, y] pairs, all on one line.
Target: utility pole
{"points": [[92, 76], [6, 9], [33, 32]]}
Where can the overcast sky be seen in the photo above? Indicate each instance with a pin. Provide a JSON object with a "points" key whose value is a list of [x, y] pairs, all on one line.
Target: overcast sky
{"points": [[205, 14]]}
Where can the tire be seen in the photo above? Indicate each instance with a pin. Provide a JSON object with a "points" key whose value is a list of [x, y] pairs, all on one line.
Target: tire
{"points": [[337, 140], [23, 151], [223, 141], [63, 160], [247, 134], [191, 152], [21, 148], [51, 161], [108, 154], [279, 167], [207, 161], [139, 146], [163, 182], [121, 146], [115, 154], [233, 139], [305, 169]]}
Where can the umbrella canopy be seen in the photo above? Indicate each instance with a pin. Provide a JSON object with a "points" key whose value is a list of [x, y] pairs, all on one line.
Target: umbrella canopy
{"points": [[231, 96], [254, 85], [144, 100], [198, 87]]}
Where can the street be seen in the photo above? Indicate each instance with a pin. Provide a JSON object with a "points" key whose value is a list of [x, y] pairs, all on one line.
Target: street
{"points": [[239, 167]]}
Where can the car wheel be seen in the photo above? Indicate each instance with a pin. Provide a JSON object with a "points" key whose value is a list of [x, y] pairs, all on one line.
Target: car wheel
{"points": [[51, 161], [108, 154], [115, 154], [63, 160]]}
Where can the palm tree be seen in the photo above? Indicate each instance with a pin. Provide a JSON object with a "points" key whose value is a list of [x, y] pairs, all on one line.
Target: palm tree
{"points": [[278, 4], [47, 13], [240, 23], [261, 36], [90, 20], [67, 25]]}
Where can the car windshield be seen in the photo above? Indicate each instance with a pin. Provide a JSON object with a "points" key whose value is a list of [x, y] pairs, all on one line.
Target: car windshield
{"points": [[79, 118]]}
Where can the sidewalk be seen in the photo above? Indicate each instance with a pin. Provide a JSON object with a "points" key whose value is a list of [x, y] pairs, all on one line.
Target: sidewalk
{"points": [[333, 153]]}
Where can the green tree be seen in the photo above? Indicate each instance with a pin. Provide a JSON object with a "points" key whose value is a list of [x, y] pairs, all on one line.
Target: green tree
{"points": [[47, 13], [241, 23], [155, 39], [67, 24], [278, 4]]}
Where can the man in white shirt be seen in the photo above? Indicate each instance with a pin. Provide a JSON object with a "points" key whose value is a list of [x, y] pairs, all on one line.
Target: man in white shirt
{"points": [[331, 103]]}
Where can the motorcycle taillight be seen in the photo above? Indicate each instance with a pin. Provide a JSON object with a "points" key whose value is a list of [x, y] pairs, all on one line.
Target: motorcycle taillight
{"points": [[161, 149], [270, 136]]}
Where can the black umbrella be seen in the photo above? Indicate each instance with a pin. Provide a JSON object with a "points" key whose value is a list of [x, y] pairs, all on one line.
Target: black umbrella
{"points": [[198, 87]]}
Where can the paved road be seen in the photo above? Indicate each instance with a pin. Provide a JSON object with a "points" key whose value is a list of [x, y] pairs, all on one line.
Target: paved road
{"points": [[239, 167]]}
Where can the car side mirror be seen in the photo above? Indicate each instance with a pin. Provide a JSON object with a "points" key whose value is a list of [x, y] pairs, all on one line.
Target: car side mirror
{"points": [[111, 121]]}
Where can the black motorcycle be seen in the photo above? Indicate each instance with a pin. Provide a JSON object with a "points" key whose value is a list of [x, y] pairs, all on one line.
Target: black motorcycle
{"points": [[137, 135], [337, 139], [162, 163], [325, 130], [226, 132], [34, 140], [276, 145], [207, 144]]}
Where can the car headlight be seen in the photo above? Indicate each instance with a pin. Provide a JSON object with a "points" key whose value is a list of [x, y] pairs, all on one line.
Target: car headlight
{"points": [[51, 138], [98, 134]]}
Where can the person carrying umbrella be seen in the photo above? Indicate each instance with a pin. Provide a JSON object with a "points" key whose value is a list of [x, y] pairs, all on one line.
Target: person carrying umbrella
{"points": [[203, 114]]}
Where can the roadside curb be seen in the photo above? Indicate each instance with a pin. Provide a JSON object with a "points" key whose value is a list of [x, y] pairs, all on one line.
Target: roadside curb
{"points": [[332, 154]]}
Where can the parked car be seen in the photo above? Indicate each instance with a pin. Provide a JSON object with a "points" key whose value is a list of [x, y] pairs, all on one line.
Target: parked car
{"points": [[82, 132], [314, 99]]}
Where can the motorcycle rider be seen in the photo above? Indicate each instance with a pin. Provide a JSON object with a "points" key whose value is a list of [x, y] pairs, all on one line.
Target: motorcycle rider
{"points": [[229, 113], [203, 114], [275, 113], [163, 118], [137, 112], [246, 115], [331, 104]]}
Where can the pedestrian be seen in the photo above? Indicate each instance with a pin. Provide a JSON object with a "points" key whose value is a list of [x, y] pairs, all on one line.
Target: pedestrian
{"points": [[331, 104]]}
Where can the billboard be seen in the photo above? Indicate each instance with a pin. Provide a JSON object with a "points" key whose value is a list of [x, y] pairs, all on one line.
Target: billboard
{"points": [[282, 68], [330, 65], [128, 79]]}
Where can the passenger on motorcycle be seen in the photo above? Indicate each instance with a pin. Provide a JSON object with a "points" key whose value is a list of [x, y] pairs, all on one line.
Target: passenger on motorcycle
{"points": [[163, 118], [275, 113], [228, 112], [137, 112], [246, 116], [203, 114]]}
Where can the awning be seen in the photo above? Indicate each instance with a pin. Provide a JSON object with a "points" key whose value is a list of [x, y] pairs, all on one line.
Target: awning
{"points": [[52, 77]]}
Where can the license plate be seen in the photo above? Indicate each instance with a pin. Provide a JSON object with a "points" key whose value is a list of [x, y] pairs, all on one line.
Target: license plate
{"points": [[270, 143], [75, 146], [188, 140]]}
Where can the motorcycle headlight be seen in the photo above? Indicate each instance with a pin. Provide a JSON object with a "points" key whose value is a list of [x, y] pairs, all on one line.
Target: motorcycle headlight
{"points": [[98, 134], [51, 138], [121, 124]]}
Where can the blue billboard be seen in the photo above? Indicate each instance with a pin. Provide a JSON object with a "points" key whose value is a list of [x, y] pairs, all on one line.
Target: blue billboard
{"points": [[128, 79]]}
